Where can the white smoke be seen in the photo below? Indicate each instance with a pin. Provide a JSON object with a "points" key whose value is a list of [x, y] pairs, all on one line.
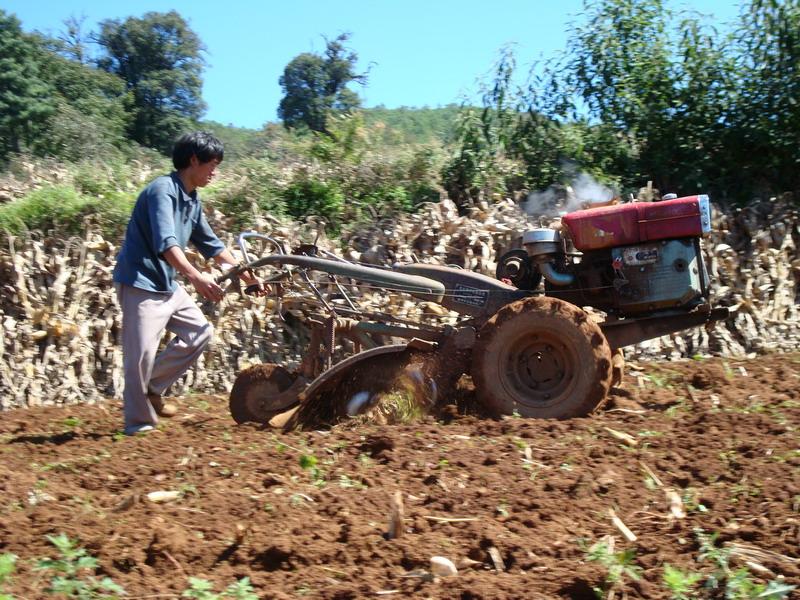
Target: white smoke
{"points": [[548, 203], [587, 191], [581, 192]]}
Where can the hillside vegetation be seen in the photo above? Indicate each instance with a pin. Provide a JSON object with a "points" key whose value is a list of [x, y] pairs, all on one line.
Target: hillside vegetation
{"points": [[641, 93]]}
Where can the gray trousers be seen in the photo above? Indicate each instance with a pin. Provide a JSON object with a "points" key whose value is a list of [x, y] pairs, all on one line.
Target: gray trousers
{"points": [[145, 316]]}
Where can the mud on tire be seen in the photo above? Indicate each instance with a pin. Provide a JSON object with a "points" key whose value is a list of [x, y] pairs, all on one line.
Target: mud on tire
{"points": [[258, 393], [542, 357]]}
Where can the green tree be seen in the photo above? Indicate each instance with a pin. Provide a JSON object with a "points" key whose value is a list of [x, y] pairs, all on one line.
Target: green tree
{"points": [[73, 39], [92, 106], [620, 70], [487, 140], [160, 60], [315, 85], [703, 98], [25, 102], [662, 85], [768, 117]]}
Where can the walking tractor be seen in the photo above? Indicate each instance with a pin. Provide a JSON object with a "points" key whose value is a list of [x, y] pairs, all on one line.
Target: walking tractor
{"points": [[526, 337]]}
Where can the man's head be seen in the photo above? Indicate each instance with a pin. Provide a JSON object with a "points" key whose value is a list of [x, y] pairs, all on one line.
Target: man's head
{"points": [[196, 155]]}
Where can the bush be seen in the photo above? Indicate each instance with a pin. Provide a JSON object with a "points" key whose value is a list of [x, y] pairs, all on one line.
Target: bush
{"points": [[306, 196], [250, 189], [64, 211]]}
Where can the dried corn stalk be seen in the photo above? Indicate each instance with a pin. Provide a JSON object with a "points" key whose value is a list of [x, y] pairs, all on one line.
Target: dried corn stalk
{"points": [[60, 321]]}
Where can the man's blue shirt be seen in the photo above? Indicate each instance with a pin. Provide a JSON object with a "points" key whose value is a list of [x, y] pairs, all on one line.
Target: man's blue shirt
{"points": [[164, 216]]}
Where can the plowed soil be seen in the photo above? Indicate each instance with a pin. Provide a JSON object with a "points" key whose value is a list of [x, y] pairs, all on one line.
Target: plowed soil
{"points": [[684, 450]]}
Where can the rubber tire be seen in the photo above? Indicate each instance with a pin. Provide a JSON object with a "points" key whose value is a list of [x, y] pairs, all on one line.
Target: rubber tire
{"points": [[254, 387], [571, 358]]}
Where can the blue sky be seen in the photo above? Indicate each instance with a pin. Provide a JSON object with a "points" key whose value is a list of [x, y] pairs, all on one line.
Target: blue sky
{"points": [[420, 52]]}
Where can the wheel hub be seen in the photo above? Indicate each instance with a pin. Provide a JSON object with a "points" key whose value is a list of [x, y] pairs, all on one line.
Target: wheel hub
{"points": [[537, 370]]}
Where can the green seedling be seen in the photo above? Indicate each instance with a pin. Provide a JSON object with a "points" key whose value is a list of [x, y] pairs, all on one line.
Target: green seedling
{"points": [[71, 570], [680, 583], [347, 482], [618, 565], [650, 433], [650, 483], [297, 499], [736, 584], [71, 422], [8, 564], [200, 589], [690, 501], [187, 489], [309, 463]]}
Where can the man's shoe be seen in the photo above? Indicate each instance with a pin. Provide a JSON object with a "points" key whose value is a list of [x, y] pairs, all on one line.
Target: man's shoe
{"points": [[141, 428], [163, 409]]}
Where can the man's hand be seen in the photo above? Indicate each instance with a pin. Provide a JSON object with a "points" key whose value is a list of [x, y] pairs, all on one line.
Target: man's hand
{"points": [[255, 287], [207, 287]]}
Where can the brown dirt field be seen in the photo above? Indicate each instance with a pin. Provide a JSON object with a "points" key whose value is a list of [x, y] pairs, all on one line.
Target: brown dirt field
{"points": [[721, 433]]}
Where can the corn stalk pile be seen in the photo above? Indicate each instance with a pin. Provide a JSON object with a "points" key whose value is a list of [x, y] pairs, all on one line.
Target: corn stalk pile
{"points": [[60, 320]]}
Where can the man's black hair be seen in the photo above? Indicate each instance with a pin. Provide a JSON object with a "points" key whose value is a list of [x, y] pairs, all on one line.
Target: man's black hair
{"points": [[201, 144]]}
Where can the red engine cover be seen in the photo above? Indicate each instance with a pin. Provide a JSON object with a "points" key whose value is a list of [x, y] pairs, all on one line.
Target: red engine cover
{"points": [[625, 224]]}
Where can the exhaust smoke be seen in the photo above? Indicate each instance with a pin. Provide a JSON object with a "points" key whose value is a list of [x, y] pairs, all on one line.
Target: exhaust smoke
{"points": [[583, 191]]}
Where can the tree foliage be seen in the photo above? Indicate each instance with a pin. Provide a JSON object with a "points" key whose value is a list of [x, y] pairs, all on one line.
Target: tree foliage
{"points": [[314, 86], [160, 60], [644, 93], [767, 126], [407, 125], [25, 98], [92, 107]]}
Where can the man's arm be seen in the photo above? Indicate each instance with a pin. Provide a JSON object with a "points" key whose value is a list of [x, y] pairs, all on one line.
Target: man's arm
{"points": [[204, 284]]}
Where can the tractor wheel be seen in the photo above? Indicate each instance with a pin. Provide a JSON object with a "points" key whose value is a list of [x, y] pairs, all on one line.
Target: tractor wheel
{"points": [[541, 357], [261, 392]]}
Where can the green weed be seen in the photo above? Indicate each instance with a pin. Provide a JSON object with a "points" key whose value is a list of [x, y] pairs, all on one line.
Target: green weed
{"points": [[71, 422], [297, 499], [201, 589], [680, 406], [680, 583], [736, 584], [71, 570], [690, 501], [618, 565], [347, 482], [8, 564], [317, 474], [502, 510]]}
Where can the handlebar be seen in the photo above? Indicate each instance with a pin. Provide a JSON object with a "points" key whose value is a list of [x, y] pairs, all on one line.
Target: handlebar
{"points": [[253, 234]]}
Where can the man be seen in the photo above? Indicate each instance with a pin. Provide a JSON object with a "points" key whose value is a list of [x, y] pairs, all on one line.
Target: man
{"points": [[167, 215]]}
